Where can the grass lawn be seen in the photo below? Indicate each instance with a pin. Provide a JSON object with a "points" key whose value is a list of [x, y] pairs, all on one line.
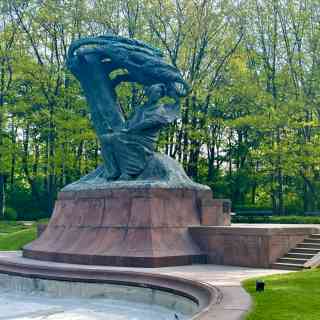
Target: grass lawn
{"points": [[294, 296], [14, 235]]}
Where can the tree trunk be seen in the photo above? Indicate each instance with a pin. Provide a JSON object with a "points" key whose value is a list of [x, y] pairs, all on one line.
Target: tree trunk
{"points": [[211, 159], [253, 194], [305, 197], [280, 192], [14, 155], [2, 177], [2, 195], [279, 179], [185, 140]]}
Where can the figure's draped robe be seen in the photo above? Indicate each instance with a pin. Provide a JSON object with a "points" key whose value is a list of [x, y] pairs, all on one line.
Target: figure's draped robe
{"points": [[133, 146]]}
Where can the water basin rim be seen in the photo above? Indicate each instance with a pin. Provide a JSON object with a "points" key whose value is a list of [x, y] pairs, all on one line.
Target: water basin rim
{"points": [[206, 296]]}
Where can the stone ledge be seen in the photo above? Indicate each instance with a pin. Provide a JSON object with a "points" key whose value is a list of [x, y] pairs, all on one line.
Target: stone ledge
{"points": [[254, 230], [133, 261], [142, 192], [207, 297], [248, 246]]}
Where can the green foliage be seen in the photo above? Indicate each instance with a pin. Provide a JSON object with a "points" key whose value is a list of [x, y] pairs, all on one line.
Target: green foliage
{"points": [[249, 127], [287, 219], [27, 207], [10, 214], [288, 296]]}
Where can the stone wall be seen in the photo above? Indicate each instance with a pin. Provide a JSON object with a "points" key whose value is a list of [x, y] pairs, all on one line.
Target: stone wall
{"points": [[257, 246]]}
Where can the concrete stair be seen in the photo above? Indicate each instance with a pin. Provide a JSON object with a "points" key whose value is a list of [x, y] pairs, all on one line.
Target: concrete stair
{"points": [[296, 258]]}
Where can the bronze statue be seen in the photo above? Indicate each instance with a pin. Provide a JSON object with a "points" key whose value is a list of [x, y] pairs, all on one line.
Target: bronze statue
{"points": [[128, 147]]}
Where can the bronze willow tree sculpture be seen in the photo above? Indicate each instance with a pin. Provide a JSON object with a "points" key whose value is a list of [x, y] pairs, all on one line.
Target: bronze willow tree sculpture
{"points": [[128, 146]]}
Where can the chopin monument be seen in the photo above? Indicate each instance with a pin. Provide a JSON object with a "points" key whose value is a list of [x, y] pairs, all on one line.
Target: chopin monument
{"points": [[134, 209]]}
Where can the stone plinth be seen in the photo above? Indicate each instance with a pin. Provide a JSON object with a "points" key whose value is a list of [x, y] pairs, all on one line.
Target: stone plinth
{"points": [[144, 227], [215, 212]]}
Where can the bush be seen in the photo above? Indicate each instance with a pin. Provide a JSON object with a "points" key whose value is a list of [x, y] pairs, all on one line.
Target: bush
{"points": [[290, 219], [248, 207], [32, 215], [10, 214], [28, 208]]}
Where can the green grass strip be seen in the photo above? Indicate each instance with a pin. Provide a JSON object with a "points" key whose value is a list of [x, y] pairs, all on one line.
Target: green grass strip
{"points": [[294, 296], [16, 240]]}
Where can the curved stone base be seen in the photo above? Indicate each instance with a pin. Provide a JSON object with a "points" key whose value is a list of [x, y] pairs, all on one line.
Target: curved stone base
{"points": [[145, 227]]}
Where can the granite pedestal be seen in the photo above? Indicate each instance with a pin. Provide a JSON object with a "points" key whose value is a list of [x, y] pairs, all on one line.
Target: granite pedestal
{"points": [[144, 227]]}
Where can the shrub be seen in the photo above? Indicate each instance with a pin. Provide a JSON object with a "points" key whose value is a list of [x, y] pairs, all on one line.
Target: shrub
{"points": [[10, 214], [290, 219], [28, 208], [32, 215]]}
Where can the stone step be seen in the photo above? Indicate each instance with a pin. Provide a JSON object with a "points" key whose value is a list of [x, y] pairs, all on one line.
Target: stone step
{"points": [[315, 236], [309, 245], [299, 255], [292, 260], [305, 250], [286, 266], [312, 240]]}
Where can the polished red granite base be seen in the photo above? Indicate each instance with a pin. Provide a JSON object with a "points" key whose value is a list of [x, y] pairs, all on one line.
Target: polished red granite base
{"points": [[125, 227]]}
